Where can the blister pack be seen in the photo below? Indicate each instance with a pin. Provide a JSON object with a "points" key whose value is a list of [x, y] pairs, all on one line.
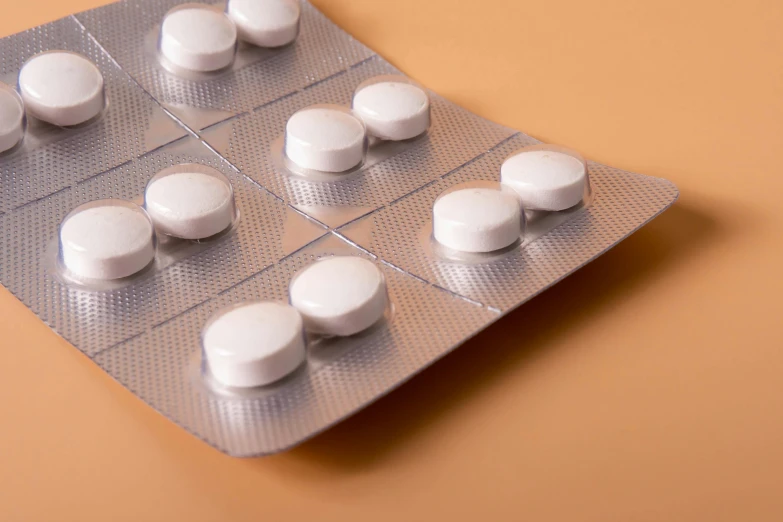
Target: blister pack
{"points": [[259, 226]]}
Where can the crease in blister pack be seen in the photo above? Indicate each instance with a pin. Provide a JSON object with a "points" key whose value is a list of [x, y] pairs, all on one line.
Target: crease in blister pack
{"points": [[127, 30], [145, 330], [51, 158], [397, 168]]}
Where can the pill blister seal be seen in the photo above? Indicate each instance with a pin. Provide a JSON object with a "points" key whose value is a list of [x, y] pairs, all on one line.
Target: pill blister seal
{"points": [[266, 231], [455, 136], [320, 51], [145, 332], [557, 243], [52, 158]]}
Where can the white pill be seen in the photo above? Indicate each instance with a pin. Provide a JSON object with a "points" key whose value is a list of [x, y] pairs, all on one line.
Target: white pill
{"points": [[266, 23], [476, 219], [11, 118], [393, 110], [62, 88], [325, 138], [190, 202], [545, 179], [254, 344], [198, 38], [107, 239], [340, 295]]}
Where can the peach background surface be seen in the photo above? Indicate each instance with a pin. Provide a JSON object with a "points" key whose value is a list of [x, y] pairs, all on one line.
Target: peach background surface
{"points": [[646, 387]]}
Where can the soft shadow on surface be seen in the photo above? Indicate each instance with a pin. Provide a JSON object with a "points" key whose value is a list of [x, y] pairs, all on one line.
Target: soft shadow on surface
{"points": [[367, 438]]}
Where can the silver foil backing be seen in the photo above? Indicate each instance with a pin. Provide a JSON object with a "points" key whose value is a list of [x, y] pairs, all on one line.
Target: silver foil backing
{"points": [[145, 331]]}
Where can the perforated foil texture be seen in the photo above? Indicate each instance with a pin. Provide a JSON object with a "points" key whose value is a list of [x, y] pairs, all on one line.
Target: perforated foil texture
{"points": [[145, 331]]}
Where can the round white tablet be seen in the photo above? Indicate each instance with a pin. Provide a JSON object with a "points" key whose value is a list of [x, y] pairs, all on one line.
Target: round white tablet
{"points": [[253, 344], [545, 178], [190, 201], [340, 295], [328, 138], [476, 219], [11, 118], [107, 239], [197, 37], [266, 23], [392, 108], [62, 88]]}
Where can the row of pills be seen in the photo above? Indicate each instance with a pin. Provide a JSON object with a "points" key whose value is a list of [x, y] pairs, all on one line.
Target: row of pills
{"points": [[257, 343], [332, 138], [254, 344], [111, 239], [247, 345], [57, 87], [202, 38], [484, 220]]}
